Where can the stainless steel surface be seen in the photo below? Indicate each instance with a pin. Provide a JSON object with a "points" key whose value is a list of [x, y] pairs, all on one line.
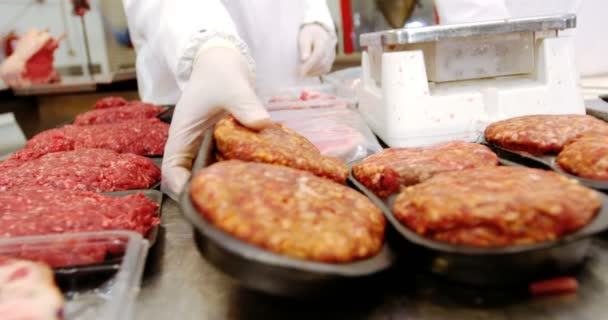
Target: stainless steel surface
{"points": [[442, 32], [180, 284]]}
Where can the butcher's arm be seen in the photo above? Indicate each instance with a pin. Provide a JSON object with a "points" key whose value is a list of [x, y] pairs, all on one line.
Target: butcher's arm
{"points": [[180, 28], [317, 12], [199, 42]]}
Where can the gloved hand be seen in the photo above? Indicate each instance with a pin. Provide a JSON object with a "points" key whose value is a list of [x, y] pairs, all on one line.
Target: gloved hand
{"points": [[317, 50], [13, 67], [219, 82]]}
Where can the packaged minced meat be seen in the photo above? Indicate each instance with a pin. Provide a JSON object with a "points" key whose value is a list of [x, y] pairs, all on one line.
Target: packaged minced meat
{"points": [[35, 211], [28, 291], [97, 170], [338, 131], [143, 137], [131, 111]]}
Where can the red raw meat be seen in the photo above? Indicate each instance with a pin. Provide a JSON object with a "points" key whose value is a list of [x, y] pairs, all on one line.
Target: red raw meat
{"points": [[96, 170], [143, 137], [39, 68], [130, 111], [110, 102], [34, 211]]}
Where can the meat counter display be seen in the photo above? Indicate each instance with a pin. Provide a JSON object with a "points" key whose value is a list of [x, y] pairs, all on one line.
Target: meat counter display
{"points": [[431, 247]]}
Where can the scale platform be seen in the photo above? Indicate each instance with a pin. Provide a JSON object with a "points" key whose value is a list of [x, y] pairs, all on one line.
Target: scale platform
{"points": [[426, 85]]}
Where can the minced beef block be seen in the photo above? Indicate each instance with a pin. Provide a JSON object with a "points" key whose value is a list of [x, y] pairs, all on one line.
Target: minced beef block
{"points": [[386, 171], [586, 157], [28, 291], [143, 137], [35, 211], [496, 206], [541, 134], [110, 102], [97, 170], [288, 211], [131, 111], [275, 144]]}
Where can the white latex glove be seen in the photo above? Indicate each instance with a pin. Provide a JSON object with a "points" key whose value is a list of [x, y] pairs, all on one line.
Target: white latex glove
{"points": [[13, 67], [219, 82], [317, 50]]}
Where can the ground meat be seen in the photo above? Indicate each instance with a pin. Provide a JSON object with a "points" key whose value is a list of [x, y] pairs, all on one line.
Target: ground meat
{"points": [[35, 211], [132, 111], [276, 144], [385, 172], [97, 170], [498, 206], [28, 291], [586, 157], [288, 211], [110, 102], [541, 134], [143, 137]]}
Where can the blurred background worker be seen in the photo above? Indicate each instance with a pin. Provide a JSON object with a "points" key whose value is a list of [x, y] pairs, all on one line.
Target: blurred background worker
{"points": [[210, 55]]}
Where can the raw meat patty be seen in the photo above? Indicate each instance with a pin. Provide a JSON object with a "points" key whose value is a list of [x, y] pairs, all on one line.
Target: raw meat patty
{"points": [[143, 137], [586, 157], [541, 134], [385, 172], [276, 144], [28, 291], [96, 170], [132, 111], [34, 211], [110, 102], [288, 211], [498, 206]]}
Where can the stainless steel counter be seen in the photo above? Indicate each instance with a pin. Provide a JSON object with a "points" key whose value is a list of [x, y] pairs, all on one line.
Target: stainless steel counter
{"points": [[180, 284]]}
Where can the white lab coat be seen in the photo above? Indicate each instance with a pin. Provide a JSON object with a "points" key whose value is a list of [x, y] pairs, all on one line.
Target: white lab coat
{"points": [[590, 48], [162, 30]]}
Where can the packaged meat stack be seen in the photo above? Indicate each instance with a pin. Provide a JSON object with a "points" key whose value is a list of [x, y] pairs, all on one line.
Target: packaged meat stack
{"points": [[97, 170], [34, 211], [331, 123], [28, 291], [110, 287]]}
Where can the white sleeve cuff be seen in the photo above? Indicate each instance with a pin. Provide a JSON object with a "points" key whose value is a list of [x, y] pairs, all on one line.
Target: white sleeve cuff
{"points": [[204, 40]]}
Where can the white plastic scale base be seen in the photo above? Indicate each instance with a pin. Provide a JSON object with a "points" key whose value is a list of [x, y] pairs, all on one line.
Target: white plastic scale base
{"points": [[407, 110]]}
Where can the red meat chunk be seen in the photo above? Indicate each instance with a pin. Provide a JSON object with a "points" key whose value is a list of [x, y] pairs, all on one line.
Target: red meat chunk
{"points": [[39, 68]]}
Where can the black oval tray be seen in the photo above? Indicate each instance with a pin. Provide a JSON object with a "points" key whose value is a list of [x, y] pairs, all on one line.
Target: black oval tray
{"points": [[548, 162], [504, 266], [266, 271]]}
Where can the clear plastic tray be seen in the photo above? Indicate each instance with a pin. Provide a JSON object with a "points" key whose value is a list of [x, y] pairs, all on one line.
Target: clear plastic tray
{"points": [[100, 290], [288, 98]]}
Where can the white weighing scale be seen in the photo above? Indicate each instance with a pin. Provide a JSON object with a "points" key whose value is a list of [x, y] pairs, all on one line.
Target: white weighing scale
{"points": [[421, 86]]}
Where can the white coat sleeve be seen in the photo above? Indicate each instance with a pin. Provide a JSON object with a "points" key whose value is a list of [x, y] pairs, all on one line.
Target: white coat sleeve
{"points": [[180, 28], [317, 11], [462, 11]]}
